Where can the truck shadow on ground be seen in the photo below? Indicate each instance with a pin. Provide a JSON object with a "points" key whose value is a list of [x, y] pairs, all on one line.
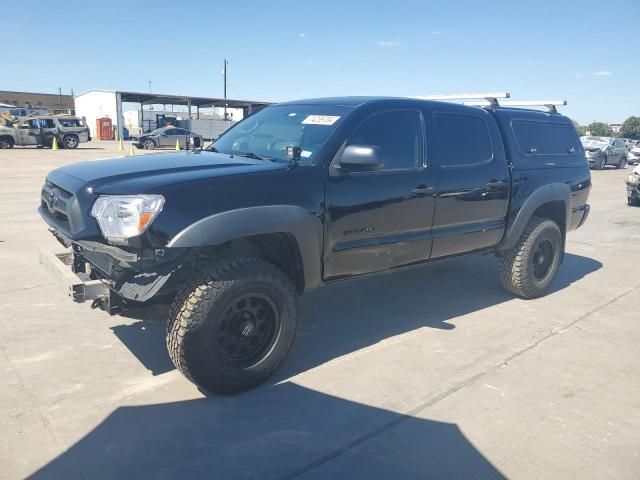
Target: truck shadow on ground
{"points": [[287, 431], [351, 315]]}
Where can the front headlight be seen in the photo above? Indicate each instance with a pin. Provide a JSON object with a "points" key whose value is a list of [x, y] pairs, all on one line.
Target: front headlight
{"points": [[124, 216], [633, 179]]}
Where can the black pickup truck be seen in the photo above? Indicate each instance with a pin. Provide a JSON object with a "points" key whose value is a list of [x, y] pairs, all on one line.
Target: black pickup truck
{"points": [[306, 193]]}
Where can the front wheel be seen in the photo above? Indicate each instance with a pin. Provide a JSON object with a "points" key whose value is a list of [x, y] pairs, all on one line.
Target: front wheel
{"points": [[528, 269], [6, 142], [600, 164], [622, 163], [149, 144], [233, 325]]}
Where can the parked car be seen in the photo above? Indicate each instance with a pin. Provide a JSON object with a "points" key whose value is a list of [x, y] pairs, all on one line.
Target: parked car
{"points": [[603, 151], [633, 155], [40, 130], [166, 137], [305, 194], [633, 187]]}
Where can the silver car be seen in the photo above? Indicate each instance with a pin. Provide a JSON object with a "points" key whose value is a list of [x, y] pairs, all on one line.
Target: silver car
{"points": [[166, 137], [68, 131], [603, 151]]}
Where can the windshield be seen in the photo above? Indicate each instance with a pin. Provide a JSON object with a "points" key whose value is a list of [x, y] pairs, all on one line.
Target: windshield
{"points": [[594, 142], [274, 132]]}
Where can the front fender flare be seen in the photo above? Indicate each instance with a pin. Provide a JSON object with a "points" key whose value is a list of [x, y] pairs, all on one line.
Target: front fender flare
{"points": [[547, 193], [222, 227]]}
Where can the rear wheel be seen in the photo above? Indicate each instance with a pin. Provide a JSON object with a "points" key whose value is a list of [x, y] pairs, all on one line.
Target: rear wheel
{"points": [[232, 326], [70, 141], [528, 269]]}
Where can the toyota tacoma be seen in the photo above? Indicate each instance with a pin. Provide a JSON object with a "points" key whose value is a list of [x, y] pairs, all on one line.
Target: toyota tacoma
{"points": [[304, 194]]}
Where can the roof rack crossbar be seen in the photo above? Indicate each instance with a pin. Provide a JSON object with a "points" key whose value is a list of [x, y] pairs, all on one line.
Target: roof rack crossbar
{"points": [[550, 104], [491, 97]]}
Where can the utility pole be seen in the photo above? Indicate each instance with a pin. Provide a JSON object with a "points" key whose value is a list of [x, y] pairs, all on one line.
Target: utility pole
{"points": [[149, 86], [60, 98], [224, 72]]}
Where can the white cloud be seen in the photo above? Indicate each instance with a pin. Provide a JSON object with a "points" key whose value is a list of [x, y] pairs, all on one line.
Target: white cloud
{"points": [[594, 74], [386, 43], [435, 32]]}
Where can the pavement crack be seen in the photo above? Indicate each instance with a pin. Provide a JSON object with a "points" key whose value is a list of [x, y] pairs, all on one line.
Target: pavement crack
{"points": [[402, 417], [30, 287]]}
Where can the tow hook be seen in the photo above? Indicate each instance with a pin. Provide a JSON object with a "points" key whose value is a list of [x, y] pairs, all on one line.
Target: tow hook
{"points": [[100, 302], [112, 306]]}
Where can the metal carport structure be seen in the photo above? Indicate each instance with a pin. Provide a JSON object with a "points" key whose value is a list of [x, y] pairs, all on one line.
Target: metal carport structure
{"points": [[247, 106]]}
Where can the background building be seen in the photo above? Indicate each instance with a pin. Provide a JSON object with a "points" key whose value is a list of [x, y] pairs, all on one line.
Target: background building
{"points": [[204, 115], [39, 102]]}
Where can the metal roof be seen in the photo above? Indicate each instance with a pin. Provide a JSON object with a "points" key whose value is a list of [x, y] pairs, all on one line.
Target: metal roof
{"points": [[168, 99]]}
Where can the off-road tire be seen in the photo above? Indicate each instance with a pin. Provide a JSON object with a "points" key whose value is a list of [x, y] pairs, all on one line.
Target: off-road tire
{"points": [[6, 142], [197, 314], [517, 266], [70, 141]]}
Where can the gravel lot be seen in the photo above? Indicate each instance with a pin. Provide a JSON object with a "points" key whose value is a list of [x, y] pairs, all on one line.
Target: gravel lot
{"points": [[429, 373]]}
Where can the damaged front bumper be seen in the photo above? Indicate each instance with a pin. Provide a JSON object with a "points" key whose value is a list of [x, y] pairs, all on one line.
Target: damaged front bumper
{"points": [[110, 276]]}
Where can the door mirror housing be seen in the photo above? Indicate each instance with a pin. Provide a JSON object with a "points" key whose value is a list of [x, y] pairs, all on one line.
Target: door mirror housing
{"points": [[361, 158], [196, 142]]}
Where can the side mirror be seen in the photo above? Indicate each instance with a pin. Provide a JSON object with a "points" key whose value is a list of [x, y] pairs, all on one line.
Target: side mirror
{"points": [[196, 142], [361, 158]]}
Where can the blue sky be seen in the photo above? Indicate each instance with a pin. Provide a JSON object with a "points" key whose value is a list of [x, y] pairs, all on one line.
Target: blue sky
{"points": [[582, 51]]}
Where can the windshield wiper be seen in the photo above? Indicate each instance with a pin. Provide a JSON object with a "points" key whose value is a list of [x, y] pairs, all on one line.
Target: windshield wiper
{"points": [[254, 156], [250, 155]]}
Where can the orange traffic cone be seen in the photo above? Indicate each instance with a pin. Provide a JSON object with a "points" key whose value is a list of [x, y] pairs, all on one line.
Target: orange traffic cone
{"points": [[132, 152], [54, 144], [177, 145]]}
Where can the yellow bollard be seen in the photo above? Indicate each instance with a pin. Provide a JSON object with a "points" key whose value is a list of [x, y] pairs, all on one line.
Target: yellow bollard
{"points": [[54, 144], [177, 145], [132, 152], [120, 146]]}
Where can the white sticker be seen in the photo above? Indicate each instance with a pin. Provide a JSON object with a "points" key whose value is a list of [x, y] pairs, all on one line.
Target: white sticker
{"points": [[305, 153], [320, 120]]}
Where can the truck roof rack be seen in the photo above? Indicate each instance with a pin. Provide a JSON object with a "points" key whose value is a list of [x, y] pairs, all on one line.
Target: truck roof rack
{"points": [[491, 97], [550, 104]]}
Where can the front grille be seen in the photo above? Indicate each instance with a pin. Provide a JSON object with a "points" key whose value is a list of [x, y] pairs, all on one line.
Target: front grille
{"points": [[55, 202]]}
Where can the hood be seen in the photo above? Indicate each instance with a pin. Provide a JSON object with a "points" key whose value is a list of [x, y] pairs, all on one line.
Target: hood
{"points": [[144, 172]]}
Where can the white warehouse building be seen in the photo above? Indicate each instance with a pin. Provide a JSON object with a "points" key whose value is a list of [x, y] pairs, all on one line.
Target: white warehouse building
{"points": [[156, 110]]}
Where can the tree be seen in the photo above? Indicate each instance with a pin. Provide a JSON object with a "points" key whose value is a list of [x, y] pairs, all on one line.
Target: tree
{"points": [[631, 128], [582, 130], [600, 129]]}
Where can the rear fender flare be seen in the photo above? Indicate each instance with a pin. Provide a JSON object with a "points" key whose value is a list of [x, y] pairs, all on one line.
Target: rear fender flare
{"points": [[547, 193], [223, 227]]}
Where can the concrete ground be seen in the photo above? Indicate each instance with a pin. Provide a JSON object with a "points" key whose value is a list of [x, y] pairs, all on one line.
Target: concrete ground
{"points": [[429, 373]]}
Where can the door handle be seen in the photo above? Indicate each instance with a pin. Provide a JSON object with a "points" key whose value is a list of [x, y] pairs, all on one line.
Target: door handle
{"points": [[495, 183], [422, 190]]}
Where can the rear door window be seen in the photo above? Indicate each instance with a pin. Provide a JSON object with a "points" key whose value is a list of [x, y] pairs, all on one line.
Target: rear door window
{"points": [[545, 138], [47, 123], [462, 140], [169, 132]]}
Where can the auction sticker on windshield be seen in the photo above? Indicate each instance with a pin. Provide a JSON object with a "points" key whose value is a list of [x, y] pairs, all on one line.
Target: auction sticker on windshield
{"points": [[320, 119]]}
